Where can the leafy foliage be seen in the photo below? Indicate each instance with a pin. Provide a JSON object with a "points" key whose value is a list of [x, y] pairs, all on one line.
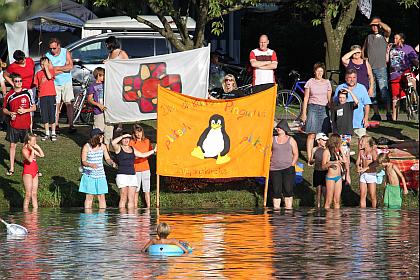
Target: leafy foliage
{"points": [[204, 11], [409, 3]]}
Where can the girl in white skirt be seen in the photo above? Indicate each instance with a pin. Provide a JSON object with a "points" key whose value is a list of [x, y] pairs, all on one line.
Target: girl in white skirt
{"points": [[126, 176]]}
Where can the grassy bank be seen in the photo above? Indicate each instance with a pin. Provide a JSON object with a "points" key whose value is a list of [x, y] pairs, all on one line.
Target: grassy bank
{"points": [[60, 180]]}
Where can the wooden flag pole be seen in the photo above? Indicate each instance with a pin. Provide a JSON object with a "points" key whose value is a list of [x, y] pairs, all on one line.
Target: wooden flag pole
{"points": [[157, 190], [265, 190]]}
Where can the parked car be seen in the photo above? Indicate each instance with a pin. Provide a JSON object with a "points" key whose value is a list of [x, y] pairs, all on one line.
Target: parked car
{"points": [[91, 51]]}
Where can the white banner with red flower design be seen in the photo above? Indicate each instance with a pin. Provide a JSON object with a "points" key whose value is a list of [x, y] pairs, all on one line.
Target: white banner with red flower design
{"points": [[130, 93]]}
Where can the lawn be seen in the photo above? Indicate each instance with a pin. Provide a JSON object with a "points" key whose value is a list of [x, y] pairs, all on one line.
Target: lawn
{"points": [[60, 169]]}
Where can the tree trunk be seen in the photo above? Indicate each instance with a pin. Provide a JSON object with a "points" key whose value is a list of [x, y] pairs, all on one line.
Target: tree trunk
{"points": [[335, 36]]}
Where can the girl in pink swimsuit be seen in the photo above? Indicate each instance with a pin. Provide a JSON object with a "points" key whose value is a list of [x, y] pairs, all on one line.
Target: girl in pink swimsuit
{"points": [[30, 151]]}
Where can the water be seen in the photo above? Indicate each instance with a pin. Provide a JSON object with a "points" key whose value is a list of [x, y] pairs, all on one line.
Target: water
{"points": [[231, 244]]}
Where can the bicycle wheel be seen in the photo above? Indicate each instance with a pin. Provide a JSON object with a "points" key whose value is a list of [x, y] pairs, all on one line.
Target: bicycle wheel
{"points": [[87, 117], [412, 104], [288, 105]]}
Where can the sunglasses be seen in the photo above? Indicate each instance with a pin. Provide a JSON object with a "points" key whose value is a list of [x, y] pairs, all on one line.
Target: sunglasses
{"points": [[17, 81], [228, 80], [54, 48]]}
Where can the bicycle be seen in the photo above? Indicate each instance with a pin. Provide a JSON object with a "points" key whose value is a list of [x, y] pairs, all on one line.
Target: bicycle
{"points": [[81, 106], [289, 102], [412, 97]]}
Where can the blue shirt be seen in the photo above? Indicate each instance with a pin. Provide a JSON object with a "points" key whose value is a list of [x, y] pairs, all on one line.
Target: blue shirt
{"points": [[361, 93], [60, 60]]}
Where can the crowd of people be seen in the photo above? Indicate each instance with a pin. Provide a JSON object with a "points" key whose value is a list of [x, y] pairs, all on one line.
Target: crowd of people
{"points": [[344, 113]]}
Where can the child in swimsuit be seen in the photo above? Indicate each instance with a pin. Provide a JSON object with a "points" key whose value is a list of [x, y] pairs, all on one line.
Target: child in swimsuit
{"points": [[333, 161], [392, 196], [318, 180], [163, 230], [366, 166], [30, 151]]}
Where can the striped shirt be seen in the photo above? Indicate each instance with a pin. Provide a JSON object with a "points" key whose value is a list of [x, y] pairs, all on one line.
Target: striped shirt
{"points": [[96, 157]]}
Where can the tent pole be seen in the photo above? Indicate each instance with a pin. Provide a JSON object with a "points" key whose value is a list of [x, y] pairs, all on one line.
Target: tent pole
{"points": [[266, 190], [157, 190]]}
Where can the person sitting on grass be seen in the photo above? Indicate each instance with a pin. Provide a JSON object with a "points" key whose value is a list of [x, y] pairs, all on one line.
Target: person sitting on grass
{"points": [[392, 196], [93, 181], [163, 230], [30, 175]]}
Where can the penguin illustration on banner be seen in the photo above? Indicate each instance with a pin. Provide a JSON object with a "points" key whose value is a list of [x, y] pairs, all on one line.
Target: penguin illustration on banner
{"points": [[214, 142]]}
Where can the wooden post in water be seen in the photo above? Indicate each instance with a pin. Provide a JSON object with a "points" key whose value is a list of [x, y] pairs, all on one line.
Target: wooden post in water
{"points": [[265, 190], [157, 190]]}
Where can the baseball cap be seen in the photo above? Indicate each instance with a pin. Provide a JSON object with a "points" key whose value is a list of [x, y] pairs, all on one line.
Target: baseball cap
{"points": [[95, 131], [321, 136]]}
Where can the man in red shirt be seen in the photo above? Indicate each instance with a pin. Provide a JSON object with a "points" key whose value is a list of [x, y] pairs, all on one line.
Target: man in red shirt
{"points": [[44, 81], [24, 66], [18, 106], [263, 61]]}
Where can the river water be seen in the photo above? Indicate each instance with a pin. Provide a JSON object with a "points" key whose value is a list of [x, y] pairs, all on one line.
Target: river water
{"points": [[231, 244]]}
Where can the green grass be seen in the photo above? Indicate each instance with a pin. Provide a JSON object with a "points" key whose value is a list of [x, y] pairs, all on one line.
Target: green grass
{"points": [[60, 180]]}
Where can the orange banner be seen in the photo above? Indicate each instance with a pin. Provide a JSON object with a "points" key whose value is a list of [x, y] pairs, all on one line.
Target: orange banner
{"points": [[202, 138]]}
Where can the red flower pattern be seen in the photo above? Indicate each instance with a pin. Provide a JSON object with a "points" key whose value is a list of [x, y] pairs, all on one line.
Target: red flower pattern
{"points": [[142, 87]]}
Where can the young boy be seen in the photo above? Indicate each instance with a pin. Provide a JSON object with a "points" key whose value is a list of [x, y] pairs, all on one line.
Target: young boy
{"points": [[44, 81], [96, 98], [163, 230], [17, 106], [392, 196], [342, 117], [319, 174]]}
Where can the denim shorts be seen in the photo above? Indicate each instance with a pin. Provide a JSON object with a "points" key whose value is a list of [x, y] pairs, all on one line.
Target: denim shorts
{"points": [[317, 119]]}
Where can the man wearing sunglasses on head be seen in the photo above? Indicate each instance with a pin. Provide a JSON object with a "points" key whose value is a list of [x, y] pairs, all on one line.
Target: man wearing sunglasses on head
{"points": [[18, 106], [62, 64]]}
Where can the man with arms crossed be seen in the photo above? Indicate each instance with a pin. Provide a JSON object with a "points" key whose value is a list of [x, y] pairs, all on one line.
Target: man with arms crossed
{"points": [[63, 64], [263, 61]]}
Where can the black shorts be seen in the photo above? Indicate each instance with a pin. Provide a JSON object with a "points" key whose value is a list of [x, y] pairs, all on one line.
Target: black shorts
{"points": [[14, 135], [47, 106], [319, 178], [283, 182]]}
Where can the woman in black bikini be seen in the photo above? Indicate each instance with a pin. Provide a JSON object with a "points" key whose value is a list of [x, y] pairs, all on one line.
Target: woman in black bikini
{"points": [[333, 160]]}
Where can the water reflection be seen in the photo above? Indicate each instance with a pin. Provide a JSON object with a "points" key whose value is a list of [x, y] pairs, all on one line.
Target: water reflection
{"points": [[306, 243]]}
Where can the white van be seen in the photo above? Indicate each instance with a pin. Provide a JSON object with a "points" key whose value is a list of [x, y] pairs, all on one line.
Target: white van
{"points": [[126, 23]]}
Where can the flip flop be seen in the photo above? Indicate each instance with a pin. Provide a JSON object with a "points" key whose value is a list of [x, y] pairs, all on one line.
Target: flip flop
{"points": [[10, 173]]}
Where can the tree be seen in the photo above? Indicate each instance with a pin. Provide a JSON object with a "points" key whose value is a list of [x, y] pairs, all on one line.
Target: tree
{"points": [[10, 11], [204, 11], [336, 17]]}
